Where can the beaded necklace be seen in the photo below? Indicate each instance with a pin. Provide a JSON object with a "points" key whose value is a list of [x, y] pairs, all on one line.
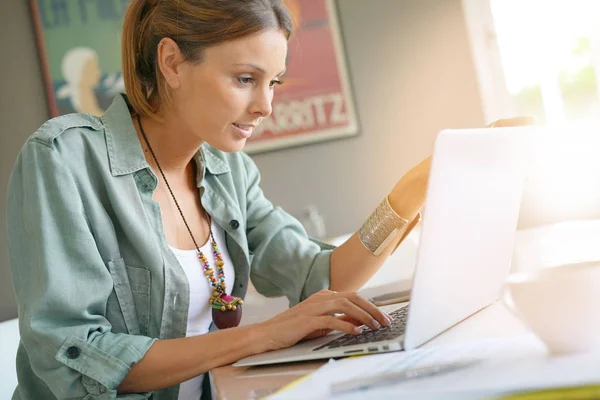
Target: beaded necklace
{"points": [[226, 310]]}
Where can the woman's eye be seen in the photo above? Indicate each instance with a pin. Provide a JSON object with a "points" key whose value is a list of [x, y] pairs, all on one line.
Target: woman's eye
{"points": [[275, 82], [244, 80]]}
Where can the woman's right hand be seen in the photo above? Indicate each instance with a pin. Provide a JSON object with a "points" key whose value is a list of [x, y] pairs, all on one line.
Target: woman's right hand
{"points": [[314, 317]]}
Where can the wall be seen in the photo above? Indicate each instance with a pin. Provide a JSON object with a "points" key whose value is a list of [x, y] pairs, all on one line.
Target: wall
{"points": [[412, 74], [22, 111]]}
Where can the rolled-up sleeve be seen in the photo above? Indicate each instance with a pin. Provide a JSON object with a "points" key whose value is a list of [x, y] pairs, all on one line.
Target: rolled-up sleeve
{"points": [[62, 284], [287, 262]]}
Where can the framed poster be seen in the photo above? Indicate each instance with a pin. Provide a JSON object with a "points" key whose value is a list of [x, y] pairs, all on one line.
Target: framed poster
{"points": [[79, 43]]}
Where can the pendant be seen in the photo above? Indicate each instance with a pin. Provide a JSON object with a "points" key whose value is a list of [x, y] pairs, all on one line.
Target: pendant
{"points": [[227, 311]]}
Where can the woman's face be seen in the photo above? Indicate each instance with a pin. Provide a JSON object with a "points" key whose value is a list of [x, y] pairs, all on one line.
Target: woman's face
{"points": [[225, 96]]}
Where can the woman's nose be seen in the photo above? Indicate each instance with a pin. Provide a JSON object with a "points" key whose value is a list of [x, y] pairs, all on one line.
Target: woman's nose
{"points": [[262, 103]]}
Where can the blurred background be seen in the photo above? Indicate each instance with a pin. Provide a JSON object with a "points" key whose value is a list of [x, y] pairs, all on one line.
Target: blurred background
{"points": [[415, 67]]}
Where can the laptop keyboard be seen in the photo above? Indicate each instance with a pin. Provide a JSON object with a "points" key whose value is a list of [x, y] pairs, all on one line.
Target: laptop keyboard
{"points": [[395, 329]]}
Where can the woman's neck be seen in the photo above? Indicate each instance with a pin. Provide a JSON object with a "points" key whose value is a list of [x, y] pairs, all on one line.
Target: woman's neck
{"points": [[173, 148]]}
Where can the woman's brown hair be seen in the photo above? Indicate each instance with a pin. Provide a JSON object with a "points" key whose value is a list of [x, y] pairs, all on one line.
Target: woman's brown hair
{"points": [[194, 25]]}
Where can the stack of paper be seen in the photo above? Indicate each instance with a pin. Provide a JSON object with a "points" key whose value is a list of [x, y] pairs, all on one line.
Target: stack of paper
{"points": [[500, 367]]}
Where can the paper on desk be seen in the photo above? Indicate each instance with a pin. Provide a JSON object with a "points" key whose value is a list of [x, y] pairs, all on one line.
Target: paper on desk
{"points": [[507, 365]]}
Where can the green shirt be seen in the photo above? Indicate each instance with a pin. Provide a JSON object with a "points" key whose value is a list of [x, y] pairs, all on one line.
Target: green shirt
{"points": [[95, 280]]}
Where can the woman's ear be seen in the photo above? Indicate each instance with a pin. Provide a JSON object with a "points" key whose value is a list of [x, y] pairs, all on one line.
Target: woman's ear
{"points": [[169, 58]]}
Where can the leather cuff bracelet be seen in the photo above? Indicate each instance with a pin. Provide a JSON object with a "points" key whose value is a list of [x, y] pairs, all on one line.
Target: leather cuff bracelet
{"points": [[381, 228]]}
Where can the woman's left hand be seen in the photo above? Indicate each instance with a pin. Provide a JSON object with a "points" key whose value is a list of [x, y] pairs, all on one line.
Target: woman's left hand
{"points": [[407, 197]]}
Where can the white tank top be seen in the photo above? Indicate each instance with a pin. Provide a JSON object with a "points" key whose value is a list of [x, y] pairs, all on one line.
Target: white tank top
{"points": [[200, 312]]}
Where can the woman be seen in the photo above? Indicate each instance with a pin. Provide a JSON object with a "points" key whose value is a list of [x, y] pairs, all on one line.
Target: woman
{"points": [[131, 233]]}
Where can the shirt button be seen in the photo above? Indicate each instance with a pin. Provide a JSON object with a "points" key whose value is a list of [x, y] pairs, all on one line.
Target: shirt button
{"points": [[234, 224], [73, 352]]}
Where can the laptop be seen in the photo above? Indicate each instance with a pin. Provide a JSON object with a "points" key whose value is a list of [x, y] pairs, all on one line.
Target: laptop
{"points": [[467, 236]]}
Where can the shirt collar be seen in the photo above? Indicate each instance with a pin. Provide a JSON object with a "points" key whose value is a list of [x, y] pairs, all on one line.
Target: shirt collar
{"points": [[213, 160], [125, 152]]}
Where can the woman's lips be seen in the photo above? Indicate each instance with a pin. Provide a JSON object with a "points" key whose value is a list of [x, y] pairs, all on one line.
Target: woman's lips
{"points": [[244, 130]]}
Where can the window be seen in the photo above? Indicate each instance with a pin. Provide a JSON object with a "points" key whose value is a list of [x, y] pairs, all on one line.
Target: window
{"points": [[550, 55], [542, 58]]}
